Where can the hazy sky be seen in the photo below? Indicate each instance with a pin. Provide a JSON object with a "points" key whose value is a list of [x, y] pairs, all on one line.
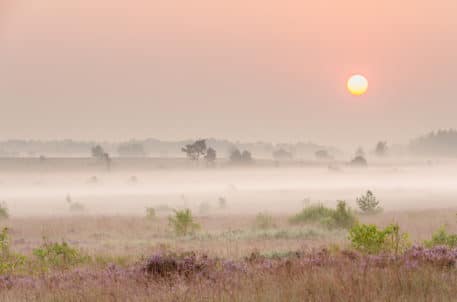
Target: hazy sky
{"points": [[238, 69]]}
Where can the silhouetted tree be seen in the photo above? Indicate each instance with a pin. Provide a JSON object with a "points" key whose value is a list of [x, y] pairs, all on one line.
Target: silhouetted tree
{"points": [[381, 148], [240, 157], [246, 156], [210, 155], [97, 152], [235, 155], [196, 150]]}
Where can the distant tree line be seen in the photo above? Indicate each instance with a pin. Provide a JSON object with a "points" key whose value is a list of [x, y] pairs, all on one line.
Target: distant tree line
{"points": [[439, 143]]}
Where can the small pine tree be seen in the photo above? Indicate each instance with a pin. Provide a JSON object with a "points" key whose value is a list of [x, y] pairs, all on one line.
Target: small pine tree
{"points": [[183, 222], [368, 203]]}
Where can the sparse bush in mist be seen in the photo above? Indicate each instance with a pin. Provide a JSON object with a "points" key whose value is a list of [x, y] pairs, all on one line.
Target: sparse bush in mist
{"points": [[341, 217], [150, 213], [442, 237], [368, 203], [264, 221], [75, 207], [381, 148], [222, 202], [359, 161], [368, 238], [4, 213], [183, 222]]}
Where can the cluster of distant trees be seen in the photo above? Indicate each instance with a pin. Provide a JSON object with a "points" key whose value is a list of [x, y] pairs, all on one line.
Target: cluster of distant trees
{"points": [[199, 150], [439, 143]]}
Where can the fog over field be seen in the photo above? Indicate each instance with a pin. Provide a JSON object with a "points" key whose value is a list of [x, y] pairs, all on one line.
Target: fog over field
{"points": [[281, 189]]}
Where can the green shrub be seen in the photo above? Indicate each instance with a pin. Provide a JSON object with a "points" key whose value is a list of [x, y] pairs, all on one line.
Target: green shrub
{"points": [[183, 222], [368, 203], [8, 261], [441, 237], [4, 213], [58, 255], [341, 217], [369, 239], [264, 221], [312, 213], [150, 213]]}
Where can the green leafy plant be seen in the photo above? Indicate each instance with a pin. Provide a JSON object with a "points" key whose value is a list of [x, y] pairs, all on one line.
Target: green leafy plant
{"points": [[58, 255], [183, 222], [264, 221], [9, 261], [150, 213], [368, 203], [341, 217], [369, 239], [441, 237]]}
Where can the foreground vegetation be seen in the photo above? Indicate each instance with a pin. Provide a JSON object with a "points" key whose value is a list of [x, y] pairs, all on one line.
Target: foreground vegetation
{"points": [[320, 254]]}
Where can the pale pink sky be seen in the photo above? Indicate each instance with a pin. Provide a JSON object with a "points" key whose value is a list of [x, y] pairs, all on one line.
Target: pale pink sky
{"points": [[249, 70]]}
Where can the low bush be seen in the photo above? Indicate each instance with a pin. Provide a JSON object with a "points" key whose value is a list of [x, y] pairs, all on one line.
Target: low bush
{"points": [[183, 222], [58, 255], [368, 238], [341, 217], [441, 237]]}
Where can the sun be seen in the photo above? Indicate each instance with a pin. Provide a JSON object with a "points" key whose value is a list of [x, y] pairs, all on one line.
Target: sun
{"points": [[357, 84]]}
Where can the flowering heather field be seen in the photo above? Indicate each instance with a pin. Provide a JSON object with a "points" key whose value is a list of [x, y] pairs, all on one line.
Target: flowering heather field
{"points": [[229, 258], [418, 275]]}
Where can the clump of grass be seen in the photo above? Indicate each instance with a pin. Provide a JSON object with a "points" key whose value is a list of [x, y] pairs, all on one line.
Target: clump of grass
{"points": [[183, 223], [264, 221], [341, 217], [442, 237], [368, 204], [368, 238]]}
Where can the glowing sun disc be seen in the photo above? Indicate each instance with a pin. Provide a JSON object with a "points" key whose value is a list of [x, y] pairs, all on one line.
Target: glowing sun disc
{"points": [[357, 84]]}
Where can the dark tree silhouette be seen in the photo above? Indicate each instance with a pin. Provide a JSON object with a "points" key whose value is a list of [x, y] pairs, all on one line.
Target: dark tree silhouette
{"points": [[196, 150], [97, 152], [381, 148], [210, 155]]}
